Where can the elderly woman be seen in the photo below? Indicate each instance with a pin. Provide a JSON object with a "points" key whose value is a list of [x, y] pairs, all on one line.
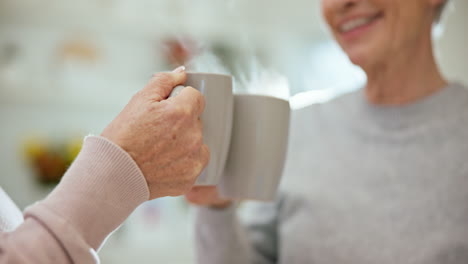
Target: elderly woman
{"points": [[376, 176]]}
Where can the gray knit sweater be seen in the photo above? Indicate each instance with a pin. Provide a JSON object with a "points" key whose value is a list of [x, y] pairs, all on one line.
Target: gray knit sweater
{"points": [[363, 184]]}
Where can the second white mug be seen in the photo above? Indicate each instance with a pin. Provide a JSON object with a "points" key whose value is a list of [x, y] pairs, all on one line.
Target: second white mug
{"points": [[258, 148]]}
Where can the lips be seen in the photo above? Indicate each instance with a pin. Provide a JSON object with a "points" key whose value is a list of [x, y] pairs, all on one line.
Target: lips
{"points": [[356, 23]]}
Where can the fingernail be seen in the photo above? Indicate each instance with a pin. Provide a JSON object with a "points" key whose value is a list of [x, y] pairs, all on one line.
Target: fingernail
{"points": [[180, 69]]}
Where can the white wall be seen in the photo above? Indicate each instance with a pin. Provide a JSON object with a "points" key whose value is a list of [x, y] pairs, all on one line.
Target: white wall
{"points": [[452, 47]]}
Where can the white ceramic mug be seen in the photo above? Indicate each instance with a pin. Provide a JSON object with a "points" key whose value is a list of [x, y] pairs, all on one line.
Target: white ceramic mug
{"points": [[217, 120], [258, 148]]}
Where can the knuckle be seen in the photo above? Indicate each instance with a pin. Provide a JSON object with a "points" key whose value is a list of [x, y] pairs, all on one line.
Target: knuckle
{"points": [[152, 108], [197, 96], [187, 112], [176, 110], [162, 78], [179, 112], [183, 111]]}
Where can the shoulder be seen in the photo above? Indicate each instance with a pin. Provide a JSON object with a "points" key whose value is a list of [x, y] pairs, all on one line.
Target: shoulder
{"points": [[312, 128], [312, 112]]}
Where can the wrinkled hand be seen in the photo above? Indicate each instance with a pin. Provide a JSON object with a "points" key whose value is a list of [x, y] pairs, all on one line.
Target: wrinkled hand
{"points": [[207, 196], [163, 136]]}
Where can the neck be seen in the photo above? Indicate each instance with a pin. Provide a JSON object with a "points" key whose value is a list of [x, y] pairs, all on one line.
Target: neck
{"points": [[410, 76]]}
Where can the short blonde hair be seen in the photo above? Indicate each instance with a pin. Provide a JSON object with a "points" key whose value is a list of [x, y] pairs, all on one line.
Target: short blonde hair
{"points": [[440, 11]]}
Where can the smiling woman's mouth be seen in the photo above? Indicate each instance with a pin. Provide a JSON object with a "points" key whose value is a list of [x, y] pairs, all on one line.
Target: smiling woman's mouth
{"points": [[358, 23]]}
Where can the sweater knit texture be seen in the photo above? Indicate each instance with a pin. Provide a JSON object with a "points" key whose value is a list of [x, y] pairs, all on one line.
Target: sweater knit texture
{"points": [[363, 184]]}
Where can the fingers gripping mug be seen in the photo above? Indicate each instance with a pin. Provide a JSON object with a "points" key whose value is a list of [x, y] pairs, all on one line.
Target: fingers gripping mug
{"points": [[217, 120]]}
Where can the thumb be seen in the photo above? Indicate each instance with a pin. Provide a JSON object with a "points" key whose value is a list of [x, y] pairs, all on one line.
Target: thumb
{"points": [[162, 84]]}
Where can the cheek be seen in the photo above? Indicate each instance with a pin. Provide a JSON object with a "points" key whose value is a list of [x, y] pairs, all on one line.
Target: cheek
{"points": [[408, 20], [401, 30]]}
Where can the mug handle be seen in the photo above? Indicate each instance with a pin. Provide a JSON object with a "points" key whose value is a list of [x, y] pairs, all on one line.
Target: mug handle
{"points": [[176, 91]]}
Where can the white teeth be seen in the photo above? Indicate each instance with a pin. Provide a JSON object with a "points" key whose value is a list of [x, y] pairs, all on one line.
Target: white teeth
{"points": [[353, 24]]}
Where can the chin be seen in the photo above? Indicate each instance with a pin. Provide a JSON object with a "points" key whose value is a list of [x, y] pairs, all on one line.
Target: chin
{"points": [[365, 53], [357, 58], [362, 58]]}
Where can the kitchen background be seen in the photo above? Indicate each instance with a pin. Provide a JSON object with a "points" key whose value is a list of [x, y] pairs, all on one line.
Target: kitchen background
{"points": [[68, 67]]}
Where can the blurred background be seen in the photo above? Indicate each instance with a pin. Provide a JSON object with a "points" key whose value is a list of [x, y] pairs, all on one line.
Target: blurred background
{"points": [[68, 67]]}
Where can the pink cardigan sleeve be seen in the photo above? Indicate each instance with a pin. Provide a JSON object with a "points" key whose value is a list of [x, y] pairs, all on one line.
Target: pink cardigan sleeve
{"points": [[98, 192]]}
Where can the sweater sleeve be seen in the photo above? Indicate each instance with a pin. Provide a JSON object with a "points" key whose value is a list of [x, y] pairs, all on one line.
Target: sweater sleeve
{"points": [[99, 191], [221, 237]]}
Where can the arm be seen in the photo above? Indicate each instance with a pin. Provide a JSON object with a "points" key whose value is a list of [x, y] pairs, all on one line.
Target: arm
{"points": [[152, 149], [221, 237], [102, 187]]}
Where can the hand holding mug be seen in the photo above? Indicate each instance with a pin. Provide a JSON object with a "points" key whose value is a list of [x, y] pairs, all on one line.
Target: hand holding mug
{"points": [[163, 136], [217, 120]]}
